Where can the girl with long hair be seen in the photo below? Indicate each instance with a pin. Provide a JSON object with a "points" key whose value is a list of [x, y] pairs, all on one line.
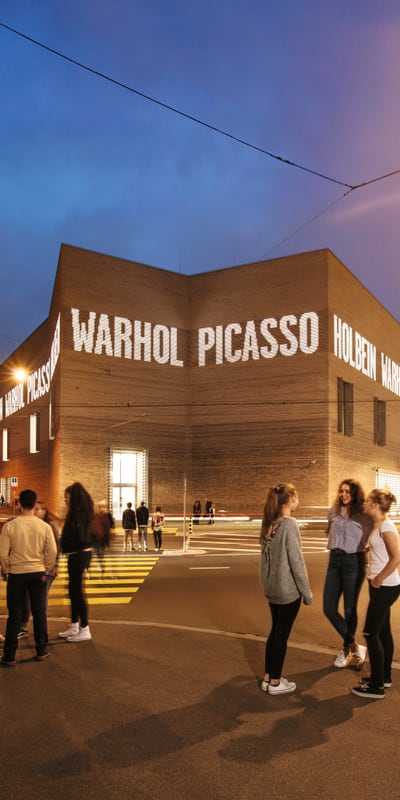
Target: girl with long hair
{"points": [[348, 531], [77, 541], [284, 578], [384, 589]]}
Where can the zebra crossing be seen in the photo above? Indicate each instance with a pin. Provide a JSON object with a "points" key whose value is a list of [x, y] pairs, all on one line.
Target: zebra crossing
{"points": [[218, 540], [113, 580]]}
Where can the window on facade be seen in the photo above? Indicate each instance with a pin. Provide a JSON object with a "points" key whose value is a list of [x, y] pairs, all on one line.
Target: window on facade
{"points": [[379, 422], [6, 444], [345, 407], [34, 440]]}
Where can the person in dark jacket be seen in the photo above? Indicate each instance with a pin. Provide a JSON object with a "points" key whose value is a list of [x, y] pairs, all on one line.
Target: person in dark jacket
{"points": [[129, 525], [77, 541], [142, 517]]}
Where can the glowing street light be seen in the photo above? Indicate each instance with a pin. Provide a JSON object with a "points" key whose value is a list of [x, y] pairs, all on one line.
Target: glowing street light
{"points": [[20, 374]]}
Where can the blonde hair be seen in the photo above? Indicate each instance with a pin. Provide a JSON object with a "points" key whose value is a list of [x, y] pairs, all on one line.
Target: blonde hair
{"points": [[383, 498]]}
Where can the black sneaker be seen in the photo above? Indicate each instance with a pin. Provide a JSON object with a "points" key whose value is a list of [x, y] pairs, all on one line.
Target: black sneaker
{"points": [[23, 632], [365, 690], [5, 663], [43, 656], [386, 683]]}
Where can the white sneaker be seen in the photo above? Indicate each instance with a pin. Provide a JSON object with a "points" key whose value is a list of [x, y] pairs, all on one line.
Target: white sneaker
{"points": [[82, 636], [140, 547], [73, 630], [343, 659], [145, 547], [284, 687], [264, 686], [358, 656]]}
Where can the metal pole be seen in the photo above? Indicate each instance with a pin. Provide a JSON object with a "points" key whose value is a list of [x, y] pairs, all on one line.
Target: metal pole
{"points": [[184, 514]]}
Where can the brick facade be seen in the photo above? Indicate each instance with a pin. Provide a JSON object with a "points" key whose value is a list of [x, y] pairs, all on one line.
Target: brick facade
{"points": [[228, 379]]}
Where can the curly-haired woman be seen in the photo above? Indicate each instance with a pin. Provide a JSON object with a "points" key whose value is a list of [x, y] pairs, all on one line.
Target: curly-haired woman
{"points": [[348, 531]]}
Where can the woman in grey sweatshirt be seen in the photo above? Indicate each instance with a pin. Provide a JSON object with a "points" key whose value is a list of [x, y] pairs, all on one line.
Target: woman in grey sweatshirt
{"points": [[284, 578]]}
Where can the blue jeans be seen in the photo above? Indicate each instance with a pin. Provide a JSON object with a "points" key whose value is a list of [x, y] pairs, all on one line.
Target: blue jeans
{"points": [[345, 575], [33, 583], [378, 633]]}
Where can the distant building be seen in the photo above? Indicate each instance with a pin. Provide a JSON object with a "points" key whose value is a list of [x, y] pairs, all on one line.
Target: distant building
{"points": [[234, 379]]}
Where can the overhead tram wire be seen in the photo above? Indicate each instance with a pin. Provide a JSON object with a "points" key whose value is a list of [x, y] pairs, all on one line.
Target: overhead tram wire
{"points": [[351, 187], [168, 107]]}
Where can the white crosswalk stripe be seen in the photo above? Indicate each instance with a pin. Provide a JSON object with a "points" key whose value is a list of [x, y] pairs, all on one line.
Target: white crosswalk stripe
{"points": [[239, 541]]}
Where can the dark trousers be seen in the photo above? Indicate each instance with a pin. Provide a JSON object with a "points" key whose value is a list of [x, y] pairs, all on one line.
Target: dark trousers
{"points": [[378, 633], [77, 564], [345, 575], [157, 539], [283, 617], [33, 583]]}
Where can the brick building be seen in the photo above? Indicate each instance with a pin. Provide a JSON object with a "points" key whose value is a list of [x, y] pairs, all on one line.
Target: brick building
{"points": [[148, 384]]}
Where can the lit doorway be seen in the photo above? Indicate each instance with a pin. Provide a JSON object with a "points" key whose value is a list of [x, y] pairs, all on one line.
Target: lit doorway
{"points": [[128, 479]]}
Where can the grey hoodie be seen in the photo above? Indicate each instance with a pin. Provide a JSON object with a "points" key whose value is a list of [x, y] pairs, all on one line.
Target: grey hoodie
{"points": [[282, 569]]}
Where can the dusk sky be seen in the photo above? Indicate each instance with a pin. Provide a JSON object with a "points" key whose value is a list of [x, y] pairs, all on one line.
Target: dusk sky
{"points": [[90, 163]]}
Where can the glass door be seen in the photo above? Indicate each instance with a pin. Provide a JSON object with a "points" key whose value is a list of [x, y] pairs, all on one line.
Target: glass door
{"points": [[128, 480]]}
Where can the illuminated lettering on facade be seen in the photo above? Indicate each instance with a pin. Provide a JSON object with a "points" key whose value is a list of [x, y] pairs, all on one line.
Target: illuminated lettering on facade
{"points": [[37, 382], [390, 374], [118, 337], [252, 341], [353, 348], [14, 400]]}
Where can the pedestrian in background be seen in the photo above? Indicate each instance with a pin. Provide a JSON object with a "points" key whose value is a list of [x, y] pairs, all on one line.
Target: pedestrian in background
{"points": [[157, 523], [142, 517], [348, 531], [384, 589], [129, 525], [42, 512], [284, 578], [101, 528], [77, 542], [196, 512], [210, 512], [27, 552]]}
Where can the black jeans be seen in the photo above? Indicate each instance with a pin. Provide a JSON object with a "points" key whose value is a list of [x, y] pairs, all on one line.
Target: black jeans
{"points": [[378, 633], [77, 563], [33, 583], [157, 539], [283, 617], [345, 575]]}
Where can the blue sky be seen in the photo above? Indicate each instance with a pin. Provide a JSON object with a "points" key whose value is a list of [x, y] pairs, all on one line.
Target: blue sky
{"points": [[88, 163]]}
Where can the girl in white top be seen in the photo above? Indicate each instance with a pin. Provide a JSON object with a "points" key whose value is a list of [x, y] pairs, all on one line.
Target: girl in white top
{"points": [[384, 589]]}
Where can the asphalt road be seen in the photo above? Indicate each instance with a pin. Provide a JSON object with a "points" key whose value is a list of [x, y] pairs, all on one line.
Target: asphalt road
{"points": [[165, 701]]}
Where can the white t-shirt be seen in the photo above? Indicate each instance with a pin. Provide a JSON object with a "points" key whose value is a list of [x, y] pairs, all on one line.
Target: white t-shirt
{"points": [[379, 556]]}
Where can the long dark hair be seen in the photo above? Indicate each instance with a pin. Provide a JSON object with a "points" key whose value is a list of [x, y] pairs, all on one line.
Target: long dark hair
{"points": [[80, 504], [357, 496], [277, 497]]}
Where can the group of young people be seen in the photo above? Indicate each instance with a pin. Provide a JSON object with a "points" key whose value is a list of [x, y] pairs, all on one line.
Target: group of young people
{"points": [[362, 541], [29, 549], [141, 516]]}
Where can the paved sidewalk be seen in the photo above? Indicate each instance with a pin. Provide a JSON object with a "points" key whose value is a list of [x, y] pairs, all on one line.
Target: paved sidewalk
{"points": [[149, 711]]}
